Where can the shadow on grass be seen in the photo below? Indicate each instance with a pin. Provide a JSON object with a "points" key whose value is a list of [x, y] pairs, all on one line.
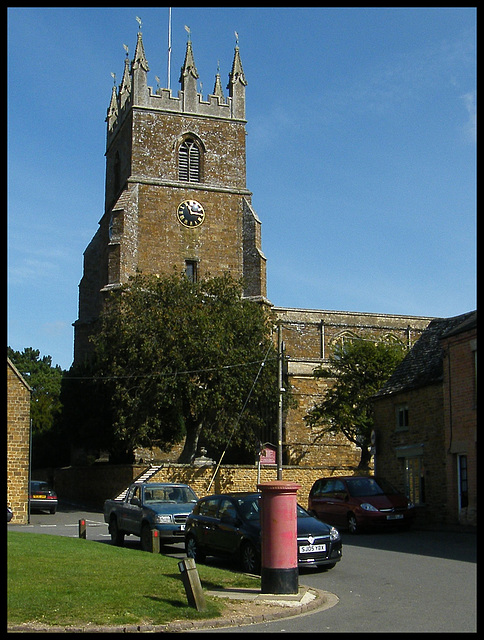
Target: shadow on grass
{"points": [[177, 604]]}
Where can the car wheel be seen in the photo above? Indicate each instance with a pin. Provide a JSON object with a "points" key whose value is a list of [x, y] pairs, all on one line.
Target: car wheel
{"points": [[249, 558], [352, 524], [193, 550], [117, 536], [146, 542], [52, 511]]}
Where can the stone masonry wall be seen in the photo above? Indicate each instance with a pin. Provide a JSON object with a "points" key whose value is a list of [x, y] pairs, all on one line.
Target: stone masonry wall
{"points": [[91, 485], [18, 444], [309, 336], [460, 416], [424, 435]]}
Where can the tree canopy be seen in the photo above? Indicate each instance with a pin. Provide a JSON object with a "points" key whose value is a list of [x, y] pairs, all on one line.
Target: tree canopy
{"points": [[358, 369], [45, 406], [178, 360]]}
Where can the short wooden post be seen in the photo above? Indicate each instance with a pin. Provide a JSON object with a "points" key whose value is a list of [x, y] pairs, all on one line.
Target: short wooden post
{"points": [[155, 541], [191, 582]]}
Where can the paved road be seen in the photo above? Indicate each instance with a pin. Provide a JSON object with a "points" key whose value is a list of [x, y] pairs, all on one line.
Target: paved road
{"points": [[66, 523], [414, 581]]}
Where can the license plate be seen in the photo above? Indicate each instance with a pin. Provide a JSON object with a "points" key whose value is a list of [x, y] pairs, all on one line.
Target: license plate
{"points": [[312, 548], [37, 495], [395, 516], [182, 527]]}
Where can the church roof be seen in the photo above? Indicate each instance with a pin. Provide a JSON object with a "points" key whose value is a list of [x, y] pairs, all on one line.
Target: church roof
{"points": [[423, 365]]}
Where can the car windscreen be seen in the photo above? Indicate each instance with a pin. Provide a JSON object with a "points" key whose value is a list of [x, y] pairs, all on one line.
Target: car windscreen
{"points": [[169, 494], [364, 487]]}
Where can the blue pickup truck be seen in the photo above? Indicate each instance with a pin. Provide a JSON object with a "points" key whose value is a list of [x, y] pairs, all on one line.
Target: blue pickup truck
{"points": [[147, 506]]}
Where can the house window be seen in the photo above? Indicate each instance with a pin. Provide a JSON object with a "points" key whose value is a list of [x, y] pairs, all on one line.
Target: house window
{"points": [[401, 417], [462, 481], [191, 270], [414, 479], [189, 165]]}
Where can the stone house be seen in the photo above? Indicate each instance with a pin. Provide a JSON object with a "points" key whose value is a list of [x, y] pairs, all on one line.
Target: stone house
{"points": [[18, 444], [426, 425]]}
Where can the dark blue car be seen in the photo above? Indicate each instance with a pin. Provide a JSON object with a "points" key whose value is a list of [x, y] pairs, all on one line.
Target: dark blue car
{"points": [[229, 525]]}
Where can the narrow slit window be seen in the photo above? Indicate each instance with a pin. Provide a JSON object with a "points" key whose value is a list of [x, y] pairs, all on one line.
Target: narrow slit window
{"points": [[191, 270], [401, 417]]}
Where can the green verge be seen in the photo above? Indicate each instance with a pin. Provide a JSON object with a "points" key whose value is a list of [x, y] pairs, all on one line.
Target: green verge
{"points": [[55, 580]]}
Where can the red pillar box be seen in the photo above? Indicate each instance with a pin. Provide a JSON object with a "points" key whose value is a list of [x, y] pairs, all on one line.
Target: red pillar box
{"points": [[279, 571]]}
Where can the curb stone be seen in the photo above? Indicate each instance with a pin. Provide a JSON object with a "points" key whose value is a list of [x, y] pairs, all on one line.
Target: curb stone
{"points": [[322, 600]]}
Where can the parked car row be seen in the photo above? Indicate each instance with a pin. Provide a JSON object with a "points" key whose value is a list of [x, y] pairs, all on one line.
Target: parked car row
{"points": [[228, 524]]}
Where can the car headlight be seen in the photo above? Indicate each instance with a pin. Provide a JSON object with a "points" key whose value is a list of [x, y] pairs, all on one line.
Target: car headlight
{"points": [[368, 507], [163, 518], [333, 534]]}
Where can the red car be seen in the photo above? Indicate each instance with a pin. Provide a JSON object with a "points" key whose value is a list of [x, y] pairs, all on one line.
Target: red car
{"points": [[358, 502]]}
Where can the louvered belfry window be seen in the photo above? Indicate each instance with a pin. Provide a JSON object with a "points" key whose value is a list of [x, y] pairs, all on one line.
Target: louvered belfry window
{"points": [[189, 161]]}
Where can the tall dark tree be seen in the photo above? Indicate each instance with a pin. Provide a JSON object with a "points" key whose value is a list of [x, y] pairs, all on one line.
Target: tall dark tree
{"points": [[176, 360], [358, 368], [45, 407]]}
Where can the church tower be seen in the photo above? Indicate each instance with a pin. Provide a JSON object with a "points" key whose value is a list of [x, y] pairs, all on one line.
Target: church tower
{"points": [[175, 194]]}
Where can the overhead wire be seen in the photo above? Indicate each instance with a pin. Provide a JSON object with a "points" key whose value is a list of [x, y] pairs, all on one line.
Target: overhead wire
{"points": [[239, 417], [171, 373]]}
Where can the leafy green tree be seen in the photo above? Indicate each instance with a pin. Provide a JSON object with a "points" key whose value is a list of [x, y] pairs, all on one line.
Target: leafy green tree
{"points": [[176, 360], [358, 369], [45, 408]]}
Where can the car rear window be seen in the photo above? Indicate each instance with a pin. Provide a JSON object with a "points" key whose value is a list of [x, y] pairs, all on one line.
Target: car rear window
{"points": [[39, 486]]}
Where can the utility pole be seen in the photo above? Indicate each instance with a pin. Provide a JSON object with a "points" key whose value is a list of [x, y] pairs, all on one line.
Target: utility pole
{"points": [[280, 354]]}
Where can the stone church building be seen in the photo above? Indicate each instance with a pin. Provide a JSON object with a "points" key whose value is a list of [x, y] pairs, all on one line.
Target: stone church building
{"points": [[176, 197]]}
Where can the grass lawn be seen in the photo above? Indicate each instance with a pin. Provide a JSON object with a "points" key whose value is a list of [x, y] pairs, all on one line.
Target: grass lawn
{"points": [[68, 581]]}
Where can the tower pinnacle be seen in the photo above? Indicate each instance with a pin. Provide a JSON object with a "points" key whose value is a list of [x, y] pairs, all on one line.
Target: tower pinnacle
{"points": [[237, 84], [139, 70], [188, 79]]}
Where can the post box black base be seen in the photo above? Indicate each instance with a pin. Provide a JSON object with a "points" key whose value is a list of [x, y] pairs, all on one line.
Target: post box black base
{"points": [[279, 580]]}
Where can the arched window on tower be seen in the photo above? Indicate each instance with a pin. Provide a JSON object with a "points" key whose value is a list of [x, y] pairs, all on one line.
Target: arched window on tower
{"points": [[189, 161]]}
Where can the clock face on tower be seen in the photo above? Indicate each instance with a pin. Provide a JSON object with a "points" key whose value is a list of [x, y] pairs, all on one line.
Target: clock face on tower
{"points": [[190, 213]]}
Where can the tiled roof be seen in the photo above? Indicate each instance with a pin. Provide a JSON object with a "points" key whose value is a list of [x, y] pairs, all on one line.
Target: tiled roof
{"points": [[423, 364]]}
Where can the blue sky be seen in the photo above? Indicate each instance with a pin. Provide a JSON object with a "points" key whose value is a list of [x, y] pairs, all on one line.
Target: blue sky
{"points": [[361, 151]]}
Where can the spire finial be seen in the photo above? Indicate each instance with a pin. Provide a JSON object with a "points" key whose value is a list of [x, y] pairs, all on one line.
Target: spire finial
{"points": [[138, 20], [188, 30], [236, 39]]}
